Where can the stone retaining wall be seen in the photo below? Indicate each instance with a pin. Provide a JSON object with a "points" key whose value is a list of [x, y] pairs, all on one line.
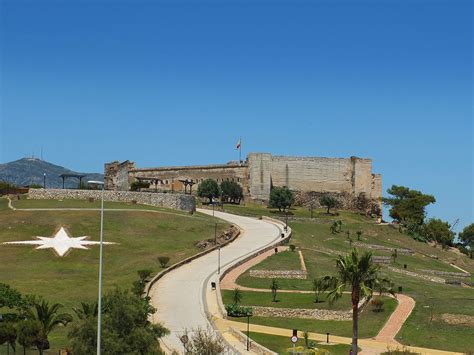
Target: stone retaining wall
{"points": [[446, 273], [421, 276], [321, 314], [282, 274], [384, 248], [175, 201]]}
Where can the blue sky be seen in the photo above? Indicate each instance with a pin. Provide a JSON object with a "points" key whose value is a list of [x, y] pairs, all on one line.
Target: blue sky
{"points": [[177, 82]]}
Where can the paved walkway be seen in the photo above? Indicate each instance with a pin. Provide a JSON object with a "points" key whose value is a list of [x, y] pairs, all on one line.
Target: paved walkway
{"points": [[397, 319], [180, 297], [368, 346]]}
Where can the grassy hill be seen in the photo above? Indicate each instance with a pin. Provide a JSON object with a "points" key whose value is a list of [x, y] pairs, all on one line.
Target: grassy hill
{"points": [[141, 237], [439, 317]]}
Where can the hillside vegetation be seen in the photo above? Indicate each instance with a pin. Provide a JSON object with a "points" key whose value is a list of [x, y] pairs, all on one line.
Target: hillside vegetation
{"points": [[443, 315], [140, 236]]}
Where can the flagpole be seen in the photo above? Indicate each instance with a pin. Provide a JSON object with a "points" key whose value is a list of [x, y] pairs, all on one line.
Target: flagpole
{"points": [[240, 151]]}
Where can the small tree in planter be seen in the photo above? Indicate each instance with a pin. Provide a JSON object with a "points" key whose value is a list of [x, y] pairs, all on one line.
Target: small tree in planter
{"points": [[237, 296], [319, 285], [292, 247], [163, 260], [274, 287], [394, 255]]}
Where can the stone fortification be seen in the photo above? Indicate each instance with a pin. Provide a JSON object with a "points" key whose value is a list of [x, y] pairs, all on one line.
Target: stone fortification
{"points": [[175, 201], [345, 178]]}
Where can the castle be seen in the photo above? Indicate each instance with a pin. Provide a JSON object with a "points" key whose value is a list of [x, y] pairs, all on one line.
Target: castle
{"points": [[345, 177]]}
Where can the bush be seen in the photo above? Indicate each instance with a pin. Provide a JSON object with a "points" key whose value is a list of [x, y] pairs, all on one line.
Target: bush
{"points": [[234, 310], [163, 260], [292, 247]]}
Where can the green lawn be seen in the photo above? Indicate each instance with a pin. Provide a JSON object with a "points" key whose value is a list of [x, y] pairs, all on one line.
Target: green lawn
{"points": [[141, 238], [370, 322], [281, 344], [283, 260], [424, 327], [288, 300]]}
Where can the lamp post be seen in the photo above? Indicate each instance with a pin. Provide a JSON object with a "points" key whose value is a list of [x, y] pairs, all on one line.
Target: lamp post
{"points": [[44, 180], [248, 332], [286, 219], [99, 303], [219, 260]]}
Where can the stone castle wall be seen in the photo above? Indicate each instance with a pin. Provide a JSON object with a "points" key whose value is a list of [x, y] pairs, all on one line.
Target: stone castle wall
{"points": [[349, 177], [175, 201], [169, 178]]}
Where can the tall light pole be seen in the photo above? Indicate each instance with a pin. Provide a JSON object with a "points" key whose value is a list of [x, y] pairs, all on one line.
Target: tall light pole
{"points": [[99, 302], [44, 180]]}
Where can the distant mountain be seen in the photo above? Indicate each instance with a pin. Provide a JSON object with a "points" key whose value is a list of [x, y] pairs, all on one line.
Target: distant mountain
{"points": [[28, 171]]}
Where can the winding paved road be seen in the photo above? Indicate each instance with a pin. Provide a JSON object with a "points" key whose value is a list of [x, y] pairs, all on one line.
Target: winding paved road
{"points": [[180, 295]]}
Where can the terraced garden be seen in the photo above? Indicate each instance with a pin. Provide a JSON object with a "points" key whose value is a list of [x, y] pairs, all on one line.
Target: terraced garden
{"points": [[436, 302]]}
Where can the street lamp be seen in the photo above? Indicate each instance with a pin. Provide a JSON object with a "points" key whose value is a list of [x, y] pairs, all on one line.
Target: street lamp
{"points": [[286, 219], [248, 331], [44, 180], [219, 260], [99, 305]]}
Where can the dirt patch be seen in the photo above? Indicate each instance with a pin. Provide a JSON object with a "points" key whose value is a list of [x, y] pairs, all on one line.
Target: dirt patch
{"points": [[458, 319]]}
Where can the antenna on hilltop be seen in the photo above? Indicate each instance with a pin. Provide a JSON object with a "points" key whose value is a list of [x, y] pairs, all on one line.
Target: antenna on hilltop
{"points": [[454, 223], [41, 154]]}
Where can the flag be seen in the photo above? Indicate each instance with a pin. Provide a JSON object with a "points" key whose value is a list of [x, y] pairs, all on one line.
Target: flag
{"points": [[238, 144]]}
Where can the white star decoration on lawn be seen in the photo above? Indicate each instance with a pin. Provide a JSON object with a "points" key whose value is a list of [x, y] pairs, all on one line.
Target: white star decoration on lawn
{"points": [[61, 243]]}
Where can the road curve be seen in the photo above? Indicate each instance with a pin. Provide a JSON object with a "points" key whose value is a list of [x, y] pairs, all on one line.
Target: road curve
{"points": [[179, 296]]}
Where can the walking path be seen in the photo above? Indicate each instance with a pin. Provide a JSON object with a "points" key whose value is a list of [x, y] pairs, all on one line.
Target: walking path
{"points": [[368, 346], [397, 319]]}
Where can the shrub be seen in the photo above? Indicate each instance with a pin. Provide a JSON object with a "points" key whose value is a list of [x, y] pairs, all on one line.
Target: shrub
{"points": [[292, 247], [234, 310], [163, 260]]}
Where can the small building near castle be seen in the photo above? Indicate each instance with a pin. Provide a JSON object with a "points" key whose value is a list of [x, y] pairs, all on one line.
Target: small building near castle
{"points": [[346, 178]]}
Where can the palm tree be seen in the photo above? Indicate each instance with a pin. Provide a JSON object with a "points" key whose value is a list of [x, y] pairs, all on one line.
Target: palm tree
{"points": [[360, 274], [48, 317], [87, 310], [237, 296]]}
